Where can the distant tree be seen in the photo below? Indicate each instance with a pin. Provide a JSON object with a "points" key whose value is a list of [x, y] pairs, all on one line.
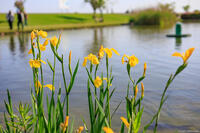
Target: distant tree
{"points": [[101, 6], [94, 4], [186, 8], [97, 4], [20, 5], [167, 7]]}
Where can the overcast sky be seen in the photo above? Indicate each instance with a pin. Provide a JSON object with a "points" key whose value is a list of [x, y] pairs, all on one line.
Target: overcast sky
{"points": [[55, 6]]}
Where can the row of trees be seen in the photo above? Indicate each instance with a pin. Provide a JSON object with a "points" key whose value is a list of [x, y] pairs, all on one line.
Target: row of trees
{"points": [[97, 5]]}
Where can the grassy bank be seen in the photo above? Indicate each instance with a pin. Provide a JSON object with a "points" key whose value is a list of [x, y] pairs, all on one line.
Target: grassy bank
{"points": [[62, 21], [153, 16], [191, 17]]}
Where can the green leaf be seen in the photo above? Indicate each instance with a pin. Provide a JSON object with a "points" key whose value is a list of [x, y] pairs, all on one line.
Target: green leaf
{"points": [[122, 128], [128, 67], [56, 54], [140, 79], [116, 109], [73, 78], [72, 126], [90, 77], [181, 68], [52, 69]]}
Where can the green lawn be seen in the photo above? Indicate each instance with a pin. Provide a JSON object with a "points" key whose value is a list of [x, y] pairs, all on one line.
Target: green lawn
{"points": [[63, 21]]}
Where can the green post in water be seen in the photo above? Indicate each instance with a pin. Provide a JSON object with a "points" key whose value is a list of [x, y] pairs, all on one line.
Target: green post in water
{"points": [[178, 29]]}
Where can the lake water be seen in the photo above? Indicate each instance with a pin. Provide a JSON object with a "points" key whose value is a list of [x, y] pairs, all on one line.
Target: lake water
{"points": [[181, 112]]}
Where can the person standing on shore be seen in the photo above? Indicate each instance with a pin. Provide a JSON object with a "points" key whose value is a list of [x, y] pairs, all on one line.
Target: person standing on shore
{"points": [[20, 18], [10, 18]]}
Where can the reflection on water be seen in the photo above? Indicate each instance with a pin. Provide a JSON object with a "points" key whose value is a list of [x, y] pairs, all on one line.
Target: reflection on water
{"points": [[178, 42], [97, 41], [12, 44], [182, 110], [23, 41]]}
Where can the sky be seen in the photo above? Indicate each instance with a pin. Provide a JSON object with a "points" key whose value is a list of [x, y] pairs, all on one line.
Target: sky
{"points": [[70, 6]]}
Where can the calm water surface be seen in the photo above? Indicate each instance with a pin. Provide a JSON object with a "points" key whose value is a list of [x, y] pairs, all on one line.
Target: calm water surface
{"points": [[180, 113]]}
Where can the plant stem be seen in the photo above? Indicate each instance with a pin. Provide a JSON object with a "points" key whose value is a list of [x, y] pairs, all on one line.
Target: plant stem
{"points": [[63, 73], [108, 93]]}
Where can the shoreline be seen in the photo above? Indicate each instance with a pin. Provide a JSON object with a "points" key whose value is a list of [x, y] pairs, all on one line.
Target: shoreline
{"points": [[61, 27]]}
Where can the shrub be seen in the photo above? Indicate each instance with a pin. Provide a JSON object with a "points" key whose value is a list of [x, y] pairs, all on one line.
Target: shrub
{"points": [[154, 16]]}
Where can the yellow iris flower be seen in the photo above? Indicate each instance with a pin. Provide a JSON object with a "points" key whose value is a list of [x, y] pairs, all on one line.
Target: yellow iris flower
{"points": [[50, 86], [94, 60], [54, 41], [132, 60], [142, 86], [107, 51], [80, 129], [101, 52], [42, 46], [46, 42], [185, 56], [32, 35], [136, 91], [38, 86], [97, 82], [106, 80], [42, 33], [145, 68], [70, 56], [107, 130], [65, 124], [125, 122], [36, 63]]}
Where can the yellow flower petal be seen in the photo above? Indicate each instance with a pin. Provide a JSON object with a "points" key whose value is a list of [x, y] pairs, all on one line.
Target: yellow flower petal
{"points": [[65, 124], [38, 86], [145, 68], [42, 33], [142, 86], [107, 130], [36, 63], [115, 51], [32, 35], [46, 42], [123, 58], [97, 82], [133, 61], [95, 60], [108, 52], [42, 47], [105, 79], [125, 122], [177, 54], [43, 61], [185, 56], [136, 91], [66, 121], [101, 52], [80, 129], [54, 41], [50, 86], [85, 62], [30, 51], [188, 53], [70, 56]]}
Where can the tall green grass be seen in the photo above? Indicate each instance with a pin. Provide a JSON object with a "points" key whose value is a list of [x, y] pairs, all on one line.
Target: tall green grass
{"points": [[153, 16]]}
